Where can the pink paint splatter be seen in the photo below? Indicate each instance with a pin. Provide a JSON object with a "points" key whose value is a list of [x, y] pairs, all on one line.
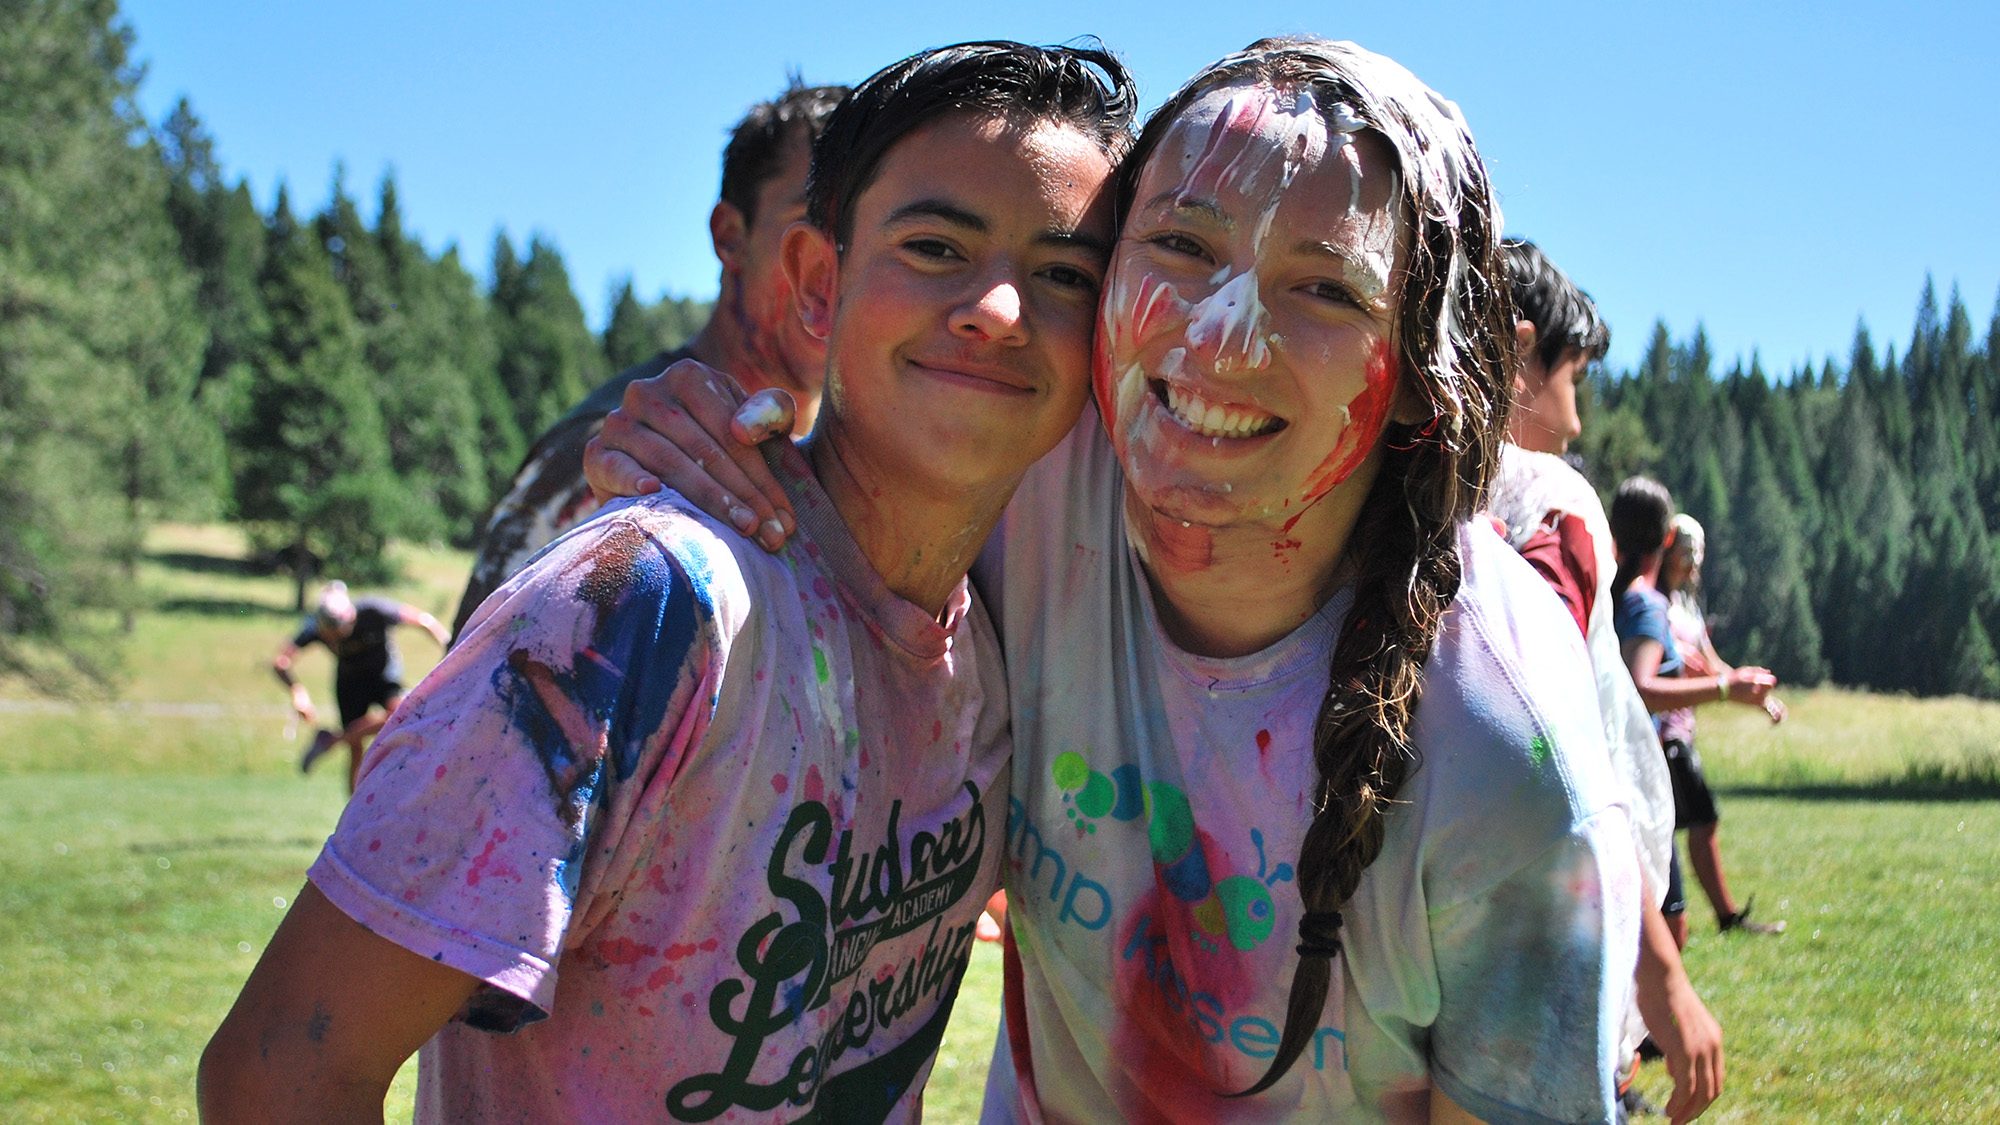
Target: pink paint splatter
{"points": [[624, 951], [815, 784], [439, 774], [374, 845], [937, 729], [780, 782], [484, 866], [1263, 741]]}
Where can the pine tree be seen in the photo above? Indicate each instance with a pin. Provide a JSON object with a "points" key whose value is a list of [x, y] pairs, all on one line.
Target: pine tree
{"points": [[629, 336], [440, 440], [1769, 614], [549, 359], [99, 344], [311, 458]]}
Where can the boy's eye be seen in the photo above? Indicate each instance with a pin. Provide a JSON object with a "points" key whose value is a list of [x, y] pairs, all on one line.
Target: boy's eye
{"points": [[1070, 277], [931, 248]]}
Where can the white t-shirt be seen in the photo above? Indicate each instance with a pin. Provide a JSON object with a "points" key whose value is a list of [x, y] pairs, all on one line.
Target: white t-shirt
{"points": [[1528, 486], [714, 827], [1159, 802]]}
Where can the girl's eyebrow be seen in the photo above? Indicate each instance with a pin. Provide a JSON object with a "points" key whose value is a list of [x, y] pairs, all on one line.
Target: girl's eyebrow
{"points": [[1205, 207]]}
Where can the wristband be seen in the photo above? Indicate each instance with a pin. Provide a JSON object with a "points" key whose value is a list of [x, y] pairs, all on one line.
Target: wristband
{"points": [[1722, 689]]}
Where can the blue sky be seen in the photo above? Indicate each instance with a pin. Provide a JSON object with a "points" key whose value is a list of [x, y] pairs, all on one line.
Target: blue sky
{"points": [[1773, 173]]}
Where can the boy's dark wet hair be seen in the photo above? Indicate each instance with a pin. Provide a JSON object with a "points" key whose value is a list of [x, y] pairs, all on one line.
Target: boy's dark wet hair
{"points": [[757, 146], [1083, 87], [1641, 512], [1564, 316]]}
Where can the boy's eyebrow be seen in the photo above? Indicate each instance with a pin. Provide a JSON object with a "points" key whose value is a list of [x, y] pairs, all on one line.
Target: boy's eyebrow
{"points": [[938, 209], [959, 217]]}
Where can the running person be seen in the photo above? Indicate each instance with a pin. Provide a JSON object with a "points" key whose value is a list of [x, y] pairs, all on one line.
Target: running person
{"points": [[705, 831], [368, 668], [1641, 522], [751, 334], [1243, 856]]}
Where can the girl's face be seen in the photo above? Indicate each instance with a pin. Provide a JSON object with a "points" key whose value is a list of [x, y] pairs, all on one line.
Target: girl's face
{"points": [[1677, 568], [1246, 355]]}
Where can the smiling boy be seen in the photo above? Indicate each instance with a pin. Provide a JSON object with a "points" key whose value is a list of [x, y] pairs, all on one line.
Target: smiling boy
{"points": [[681, 826]]}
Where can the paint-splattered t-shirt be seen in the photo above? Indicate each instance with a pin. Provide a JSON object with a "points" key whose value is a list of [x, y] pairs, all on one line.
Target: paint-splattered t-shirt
{"points": [[1159, 803], [714, 827], [1528, 487], [548, 495]]}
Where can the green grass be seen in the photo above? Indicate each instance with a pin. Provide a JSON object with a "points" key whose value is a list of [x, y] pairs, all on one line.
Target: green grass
{"points": [[1869, 823], [143, 852]]}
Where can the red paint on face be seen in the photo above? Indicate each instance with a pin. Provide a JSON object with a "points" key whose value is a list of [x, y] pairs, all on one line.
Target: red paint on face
{"points": [[1366, 416]]}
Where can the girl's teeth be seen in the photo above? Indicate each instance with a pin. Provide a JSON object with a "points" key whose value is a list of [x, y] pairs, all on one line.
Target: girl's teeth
{"points": [[1211, 420]]}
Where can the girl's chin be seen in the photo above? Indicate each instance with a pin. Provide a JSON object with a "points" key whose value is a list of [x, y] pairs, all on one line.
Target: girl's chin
{"points": [[1177, 497]]}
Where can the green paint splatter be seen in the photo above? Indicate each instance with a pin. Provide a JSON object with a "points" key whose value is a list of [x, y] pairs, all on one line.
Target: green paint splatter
{"points": [[1541, 750], [1070, 771], [1098, 795], [819, 664], [1172, 829]]}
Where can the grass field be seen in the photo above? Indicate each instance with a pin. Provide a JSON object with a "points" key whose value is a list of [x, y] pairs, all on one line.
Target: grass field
{"points": [[147, 850]]}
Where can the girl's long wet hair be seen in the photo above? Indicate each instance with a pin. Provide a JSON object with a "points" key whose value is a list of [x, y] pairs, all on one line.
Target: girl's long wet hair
{"points": [[1455, 341]]}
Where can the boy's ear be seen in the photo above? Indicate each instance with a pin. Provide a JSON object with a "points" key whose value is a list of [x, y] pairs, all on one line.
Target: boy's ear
{"points": [[728, 233], [812, 268], [1524, 359]]}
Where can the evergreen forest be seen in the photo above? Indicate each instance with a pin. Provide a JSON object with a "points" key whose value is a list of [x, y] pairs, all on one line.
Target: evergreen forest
{"points": [[170, 350]]}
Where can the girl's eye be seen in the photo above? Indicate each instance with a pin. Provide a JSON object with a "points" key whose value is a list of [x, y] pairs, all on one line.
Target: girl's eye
{"points": [[1178, 243], [1333, 291]]}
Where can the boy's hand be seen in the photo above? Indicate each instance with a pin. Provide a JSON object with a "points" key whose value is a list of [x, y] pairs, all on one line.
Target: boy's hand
{"points": [[692, 429]]}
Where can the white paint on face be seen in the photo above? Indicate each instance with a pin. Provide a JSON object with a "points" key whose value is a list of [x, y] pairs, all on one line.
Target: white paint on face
{"points": [[1246, 140]]}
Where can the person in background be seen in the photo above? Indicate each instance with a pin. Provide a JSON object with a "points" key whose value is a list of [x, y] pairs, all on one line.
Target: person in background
{"points": [[751, 334], [368, 670], [1641, 521], [1551, 514], [1694, 803]]}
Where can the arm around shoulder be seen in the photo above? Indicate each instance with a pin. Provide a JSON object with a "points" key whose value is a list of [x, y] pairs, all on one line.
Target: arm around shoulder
{"points": [[326, 1019]]}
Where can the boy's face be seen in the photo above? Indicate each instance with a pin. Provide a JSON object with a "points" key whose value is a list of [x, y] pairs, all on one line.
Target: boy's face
{"points": [[1545, 418], [784, 351], [958, 319]]}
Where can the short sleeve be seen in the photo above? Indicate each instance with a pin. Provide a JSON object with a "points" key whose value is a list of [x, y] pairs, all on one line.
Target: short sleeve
{"points": [[1534, 976], [488, 808]]}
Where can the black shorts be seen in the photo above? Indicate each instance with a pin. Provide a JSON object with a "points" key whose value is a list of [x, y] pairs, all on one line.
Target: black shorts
{"points": [[1693, 803], [1676, 901], [357, 694]]}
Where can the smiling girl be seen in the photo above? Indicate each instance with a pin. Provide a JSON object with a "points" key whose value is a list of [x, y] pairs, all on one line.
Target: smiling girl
{"points": [[1305, 822]]}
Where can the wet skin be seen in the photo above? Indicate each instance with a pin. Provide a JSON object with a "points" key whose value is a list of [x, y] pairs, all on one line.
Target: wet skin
{"points": [[1246, 358]]}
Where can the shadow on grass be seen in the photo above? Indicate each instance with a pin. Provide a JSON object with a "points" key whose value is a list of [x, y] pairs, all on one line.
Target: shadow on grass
{"points": [[213, 564], [1975, 780], [222, 607], [225, 843]]}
